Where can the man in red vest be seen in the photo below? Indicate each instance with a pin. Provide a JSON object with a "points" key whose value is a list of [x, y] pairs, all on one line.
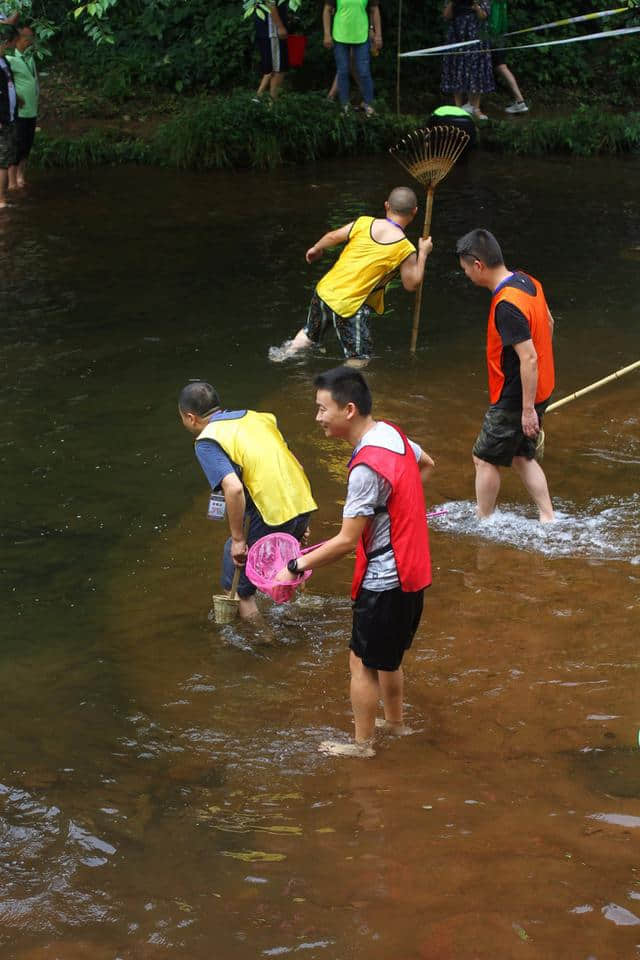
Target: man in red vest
{"points": [[521, 374], [384, 517]]}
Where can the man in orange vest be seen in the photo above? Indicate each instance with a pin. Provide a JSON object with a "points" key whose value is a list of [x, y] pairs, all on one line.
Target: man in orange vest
{"points": [[521, 374], [384, 516]]}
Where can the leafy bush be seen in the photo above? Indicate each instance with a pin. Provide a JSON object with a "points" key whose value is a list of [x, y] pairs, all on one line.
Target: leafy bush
{"points": [[236, 131]]}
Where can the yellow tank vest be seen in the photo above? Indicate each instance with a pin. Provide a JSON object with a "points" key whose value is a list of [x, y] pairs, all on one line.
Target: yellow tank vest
{"points": [[363, 270], [270, 472]]}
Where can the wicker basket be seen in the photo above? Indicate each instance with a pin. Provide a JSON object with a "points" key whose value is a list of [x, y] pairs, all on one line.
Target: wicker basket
{"points": [[225, 607]]}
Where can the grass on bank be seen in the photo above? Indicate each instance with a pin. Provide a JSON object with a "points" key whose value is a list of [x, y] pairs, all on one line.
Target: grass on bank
{"points": [[236, 132]]}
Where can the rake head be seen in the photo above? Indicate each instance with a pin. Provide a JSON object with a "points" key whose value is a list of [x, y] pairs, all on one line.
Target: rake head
{"points": [[428, 154]]}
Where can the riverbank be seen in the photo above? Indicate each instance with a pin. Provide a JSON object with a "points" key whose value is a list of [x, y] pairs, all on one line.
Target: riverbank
{"points": [[239, 131]]}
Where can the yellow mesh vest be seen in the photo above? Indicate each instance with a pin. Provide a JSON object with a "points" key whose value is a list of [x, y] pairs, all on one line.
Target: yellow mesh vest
{"points": [[270, 472], [362, 271]]}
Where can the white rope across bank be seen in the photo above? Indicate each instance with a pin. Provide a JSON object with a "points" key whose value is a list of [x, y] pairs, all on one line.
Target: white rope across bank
{"points": [[434, 52]]}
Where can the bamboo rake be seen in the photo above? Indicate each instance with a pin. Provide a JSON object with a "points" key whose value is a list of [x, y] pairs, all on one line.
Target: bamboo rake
{"points": [[428, 155]]}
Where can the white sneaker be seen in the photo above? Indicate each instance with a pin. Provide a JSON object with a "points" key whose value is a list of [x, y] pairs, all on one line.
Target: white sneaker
{"points": [[467, 107], [518, 106]]}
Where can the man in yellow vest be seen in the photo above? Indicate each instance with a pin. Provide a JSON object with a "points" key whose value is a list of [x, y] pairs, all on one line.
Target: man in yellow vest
{"points": [[252, 474], [376, 248]]}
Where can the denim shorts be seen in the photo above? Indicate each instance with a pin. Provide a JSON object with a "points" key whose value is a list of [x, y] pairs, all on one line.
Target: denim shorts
{"points": [[501, 437], [352, 332]]}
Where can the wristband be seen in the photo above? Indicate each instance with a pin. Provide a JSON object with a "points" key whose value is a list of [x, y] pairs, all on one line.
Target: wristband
{"points": [[292, 567]]}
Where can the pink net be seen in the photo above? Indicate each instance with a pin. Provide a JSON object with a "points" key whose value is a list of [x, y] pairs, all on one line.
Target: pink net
{"points": [[266, 558]]}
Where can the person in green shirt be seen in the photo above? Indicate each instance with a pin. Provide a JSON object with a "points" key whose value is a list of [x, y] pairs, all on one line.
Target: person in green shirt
{"points": [[25, 77], [349, 35]]}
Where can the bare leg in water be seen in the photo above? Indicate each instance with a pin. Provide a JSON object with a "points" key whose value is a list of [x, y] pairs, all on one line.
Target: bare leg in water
{"points": [[367, 687], [487, 486], [532, 475]]}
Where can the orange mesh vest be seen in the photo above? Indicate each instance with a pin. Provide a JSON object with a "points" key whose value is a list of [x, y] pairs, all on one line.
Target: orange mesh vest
{"points": [[536, 312]]}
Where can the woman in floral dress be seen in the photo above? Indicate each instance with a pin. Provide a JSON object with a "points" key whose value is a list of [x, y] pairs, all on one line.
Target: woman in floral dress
{"points": [[467, 75]]}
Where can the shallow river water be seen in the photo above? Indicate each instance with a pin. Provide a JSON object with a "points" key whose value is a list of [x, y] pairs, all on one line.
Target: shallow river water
{"points": [[161, 792]]}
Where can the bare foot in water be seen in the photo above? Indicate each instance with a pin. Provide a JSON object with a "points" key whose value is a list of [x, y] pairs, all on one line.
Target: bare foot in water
{"points": [[280, 354], [335, 748], [396, 729]]}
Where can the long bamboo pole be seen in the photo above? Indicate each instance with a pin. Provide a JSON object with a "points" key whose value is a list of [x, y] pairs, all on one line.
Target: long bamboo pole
{"points": [[425, 233], [593, 386], [398, 58]]}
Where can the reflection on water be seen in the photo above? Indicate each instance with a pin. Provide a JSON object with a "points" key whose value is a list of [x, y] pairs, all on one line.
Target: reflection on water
{"points": [[162, 794], [606, 529]]}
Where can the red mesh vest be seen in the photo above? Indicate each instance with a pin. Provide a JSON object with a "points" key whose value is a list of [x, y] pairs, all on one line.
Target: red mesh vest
{"points": [[407, 515]]}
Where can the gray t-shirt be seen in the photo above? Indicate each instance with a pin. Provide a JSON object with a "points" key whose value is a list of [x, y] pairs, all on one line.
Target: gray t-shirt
{"points": [[367, 490]]}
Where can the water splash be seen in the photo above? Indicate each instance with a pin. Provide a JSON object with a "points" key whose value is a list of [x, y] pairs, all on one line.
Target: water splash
{"points": [[606, 528]]}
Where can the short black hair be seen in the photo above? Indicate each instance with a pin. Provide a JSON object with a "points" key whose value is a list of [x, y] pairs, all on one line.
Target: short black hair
{"points": [[198, 397], [346, 385], [480, 245], [402, 200]]}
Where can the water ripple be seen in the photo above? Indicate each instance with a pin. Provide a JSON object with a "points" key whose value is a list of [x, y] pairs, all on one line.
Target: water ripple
{"points": [[607, 528]]}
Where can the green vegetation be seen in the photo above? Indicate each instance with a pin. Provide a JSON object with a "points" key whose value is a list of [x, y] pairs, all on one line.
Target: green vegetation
{"points": [[120, 47], [237, 132], [157, 81], [229, 132], [584, 133]]}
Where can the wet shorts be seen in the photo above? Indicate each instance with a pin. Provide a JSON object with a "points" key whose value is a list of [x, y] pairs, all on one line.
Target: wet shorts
{"points": [[384, 625], [501, 437], [257, 529], [8, 146], [352, 332], [274, 54]]}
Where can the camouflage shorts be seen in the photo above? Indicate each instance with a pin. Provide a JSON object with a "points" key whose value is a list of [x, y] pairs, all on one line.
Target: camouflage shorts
{"points": [[352, 332], [8, 145], [501, 437]]}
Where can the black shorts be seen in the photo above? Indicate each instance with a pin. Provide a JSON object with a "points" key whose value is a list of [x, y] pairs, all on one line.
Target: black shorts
{"points": [[497, 59], [384, 625], [353, 332], [25, 132], [274, 54], [501, 437]]}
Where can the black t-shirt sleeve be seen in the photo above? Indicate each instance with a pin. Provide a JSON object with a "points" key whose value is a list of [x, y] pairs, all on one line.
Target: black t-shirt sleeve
{"points": [[511, 324]]}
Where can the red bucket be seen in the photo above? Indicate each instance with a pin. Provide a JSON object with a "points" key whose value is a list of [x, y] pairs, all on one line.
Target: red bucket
{"points": [[296, 44]]}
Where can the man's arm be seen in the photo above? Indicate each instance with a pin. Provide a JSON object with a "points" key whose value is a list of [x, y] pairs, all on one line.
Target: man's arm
{"points": [[332, 239], [426, 466], [529, 377], [339, 546], [377, 27], [236, 505], [552, 322], [277, 19], [412, 269], [327, 12]]}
